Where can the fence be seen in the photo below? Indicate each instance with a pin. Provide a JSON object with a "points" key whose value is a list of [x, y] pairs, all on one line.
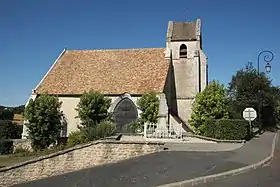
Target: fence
{"points": [[157, 132]]}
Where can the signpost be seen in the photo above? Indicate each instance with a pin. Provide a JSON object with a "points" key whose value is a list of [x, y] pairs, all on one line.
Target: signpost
{"points": [[250, 115]]}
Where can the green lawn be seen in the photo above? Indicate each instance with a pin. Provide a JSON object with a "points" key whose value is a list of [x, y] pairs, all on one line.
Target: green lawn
{"points": [[7, 160]]}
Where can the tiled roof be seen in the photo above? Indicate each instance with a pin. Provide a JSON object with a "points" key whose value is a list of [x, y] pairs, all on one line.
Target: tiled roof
{"points": [[135, 71], [184, 31]]}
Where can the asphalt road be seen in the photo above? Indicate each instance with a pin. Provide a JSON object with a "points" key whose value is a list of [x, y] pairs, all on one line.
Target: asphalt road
{"points": [[268, 176], [150, 170]]}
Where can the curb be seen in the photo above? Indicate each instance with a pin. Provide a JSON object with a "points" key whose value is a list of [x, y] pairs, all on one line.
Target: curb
{"points": [[216, 140], [209, 178]]}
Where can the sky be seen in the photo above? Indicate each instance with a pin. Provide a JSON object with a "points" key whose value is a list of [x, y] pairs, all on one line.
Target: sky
{"points": [[34, 32]]}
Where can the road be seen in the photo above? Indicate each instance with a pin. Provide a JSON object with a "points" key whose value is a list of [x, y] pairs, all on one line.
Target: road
{"points": [[150, 170], [174, 166], [268, 176]]}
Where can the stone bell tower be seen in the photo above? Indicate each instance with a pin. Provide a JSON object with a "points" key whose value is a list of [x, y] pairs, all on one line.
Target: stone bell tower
{"points": [[184, 49]]}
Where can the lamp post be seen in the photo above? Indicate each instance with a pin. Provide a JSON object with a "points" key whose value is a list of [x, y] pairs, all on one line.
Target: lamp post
{"points": [[268, 57]]}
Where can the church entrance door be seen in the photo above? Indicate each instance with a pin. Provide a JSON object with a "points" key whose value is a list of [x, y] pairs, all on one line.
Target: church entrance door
{"points": [[124, 113]]}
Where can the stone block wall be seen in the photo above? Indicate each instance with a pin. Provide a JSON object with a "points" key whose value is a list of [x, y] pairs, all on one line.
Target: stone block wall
{"points": [[76, 158], [21, 143]]}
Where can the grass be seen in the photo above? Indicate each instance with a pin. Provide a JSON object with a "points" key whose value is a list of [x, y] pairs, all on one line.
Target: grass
{"points": [[7, 160], [11, 159], [18, 118]]}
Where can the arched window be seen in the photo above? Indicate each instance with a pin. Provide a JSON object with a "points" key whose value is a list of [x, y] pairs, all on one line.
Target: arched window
{"points": [[183, 51]]}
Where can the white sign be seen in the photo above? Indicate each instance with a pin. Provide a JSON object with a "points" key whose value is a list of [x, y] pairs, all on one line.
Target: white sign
{"points": [[249, 114]]}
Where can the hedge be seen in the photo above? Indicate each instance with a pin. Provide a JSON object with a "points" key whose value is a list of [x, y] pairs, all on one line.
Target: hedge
{"points": [[6, 147], [10, 130], [227, 129], [6, 115]]}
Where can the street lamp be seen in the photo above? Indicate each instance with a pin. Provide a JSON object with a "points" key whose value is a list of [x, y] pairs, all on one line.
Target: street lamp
{"points": [[268, 57]]}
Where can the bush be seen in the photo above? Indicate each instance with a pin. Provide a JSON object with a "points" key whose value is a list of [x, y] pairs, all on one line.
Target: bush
{"points": [[6, 147], [226, 129], [93, 108], [149, 105], [6, 115], [105, 128], [75, 138], [44, 121], [211, 103], [22, 151], [10, 130], [134, 126], [90, 133]]}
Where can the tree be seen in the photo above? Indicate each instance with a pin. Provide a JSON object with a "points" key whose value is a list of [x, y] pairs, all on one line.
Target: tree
{"points": [[44, 121], [243, 89], [6, 114], [149, 105], [93, 108], [10, 130], [211, 103]]}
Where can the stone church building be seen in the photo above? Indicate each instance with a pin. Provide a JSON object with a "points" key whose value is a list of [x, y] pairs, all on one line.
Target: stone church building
{"points": [[177, 73]]}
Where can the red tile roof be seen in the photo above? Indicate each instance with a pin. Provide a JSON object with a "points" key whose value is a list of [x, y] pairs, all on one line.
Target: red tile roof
{"points": [[135, 71]]}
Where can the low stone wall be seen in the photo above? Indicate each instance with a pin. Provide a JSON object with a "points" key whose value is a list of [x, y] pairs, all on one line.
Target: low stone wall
{"points": [[76, 158], [21, 143]]}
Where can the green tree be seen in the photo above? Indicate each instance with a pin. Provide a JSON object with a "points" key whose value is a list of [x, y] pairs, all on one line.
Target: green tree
{"points": [[243, 89], [211, 103], [44, 121], [93, 108], [10, 130], [149, 105]]}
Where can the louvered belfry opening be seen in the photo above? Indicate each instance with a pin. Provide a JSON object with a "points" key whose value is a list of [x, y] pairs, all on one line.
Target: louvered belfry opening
{"points": [[183, 51]]}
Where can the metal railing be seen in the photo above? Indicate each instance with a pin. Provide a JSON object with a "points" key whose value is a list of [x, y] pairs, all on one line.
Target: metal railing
{"points": [[159, 132]]}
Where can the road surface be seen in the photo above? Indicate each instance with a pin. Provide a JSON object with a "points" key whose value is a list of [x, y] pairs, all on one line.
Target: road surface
{"points": [[268, 176], [149, 170]]}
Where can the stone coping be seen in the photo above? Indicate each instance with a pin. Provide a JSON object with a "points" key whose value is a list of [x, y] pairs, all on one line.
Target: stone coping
{"points": [[217, 140], [76, 148]]}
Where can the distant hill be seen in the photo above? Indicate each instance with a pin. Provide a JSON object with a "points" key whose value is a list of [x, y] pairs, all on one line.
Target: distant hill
{"points": [[16, 110]]}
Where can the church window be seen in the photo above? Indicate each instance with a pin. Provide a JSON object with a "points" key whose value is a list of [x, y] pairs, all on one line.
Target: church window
{"points": [[183, 51]]}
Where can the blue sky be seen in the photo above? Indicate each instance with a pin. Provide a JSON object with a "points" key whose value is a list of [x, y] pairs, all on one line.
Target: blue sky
{"points": [[33, 33]]}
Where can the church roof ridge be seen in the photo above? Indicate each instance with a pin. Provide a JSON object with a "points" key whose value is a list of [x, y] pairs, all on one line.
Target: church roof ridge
{"points": [[118, 49]]}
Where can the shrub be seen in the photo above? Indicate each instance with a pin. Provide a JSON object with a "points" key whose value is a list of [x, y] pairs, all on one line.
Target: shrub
{"points": [[10, 130], [6, 114], [22, 151], [149, 105], [105, 128], [86, 134], [134, 126], [211, 103], [6, 147], [93, 108], [75, 138], [44, 121], [226, 129]]}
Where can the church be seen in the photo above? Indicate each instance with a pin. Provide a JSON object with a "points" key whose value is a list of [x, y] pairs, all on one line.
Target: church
{"points": [[176, 73]]}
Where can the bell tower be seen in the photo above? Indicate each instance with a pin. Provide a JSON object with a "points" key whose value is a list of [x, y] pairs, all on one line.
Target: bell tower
{"points": [[184, 49]]}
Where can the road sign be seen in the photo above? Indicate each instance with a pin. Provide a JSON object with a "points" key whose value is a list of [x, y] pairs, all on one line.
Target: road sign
{"points": [[249, 114]]}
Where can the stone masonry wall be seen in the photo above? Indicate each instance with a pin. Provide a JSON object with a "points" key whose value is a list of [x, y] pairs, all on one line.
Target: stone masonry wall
{"points": [[21, 143], [76, 158]]}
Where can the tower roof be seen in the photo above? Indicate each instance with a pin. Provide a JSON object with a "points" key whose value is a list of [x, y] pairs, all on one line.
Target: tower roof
{"points": [[184, 31]]}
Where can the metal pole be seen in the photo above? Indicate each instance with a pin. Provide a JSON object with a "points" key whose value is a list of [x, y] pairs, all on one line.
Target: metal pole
{"points": [[267, 58]]}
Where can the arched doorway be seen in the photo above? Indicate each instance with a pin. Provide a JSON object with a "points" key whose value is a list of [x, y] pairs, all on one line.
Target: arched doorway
{"points": [[124, 113]]}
